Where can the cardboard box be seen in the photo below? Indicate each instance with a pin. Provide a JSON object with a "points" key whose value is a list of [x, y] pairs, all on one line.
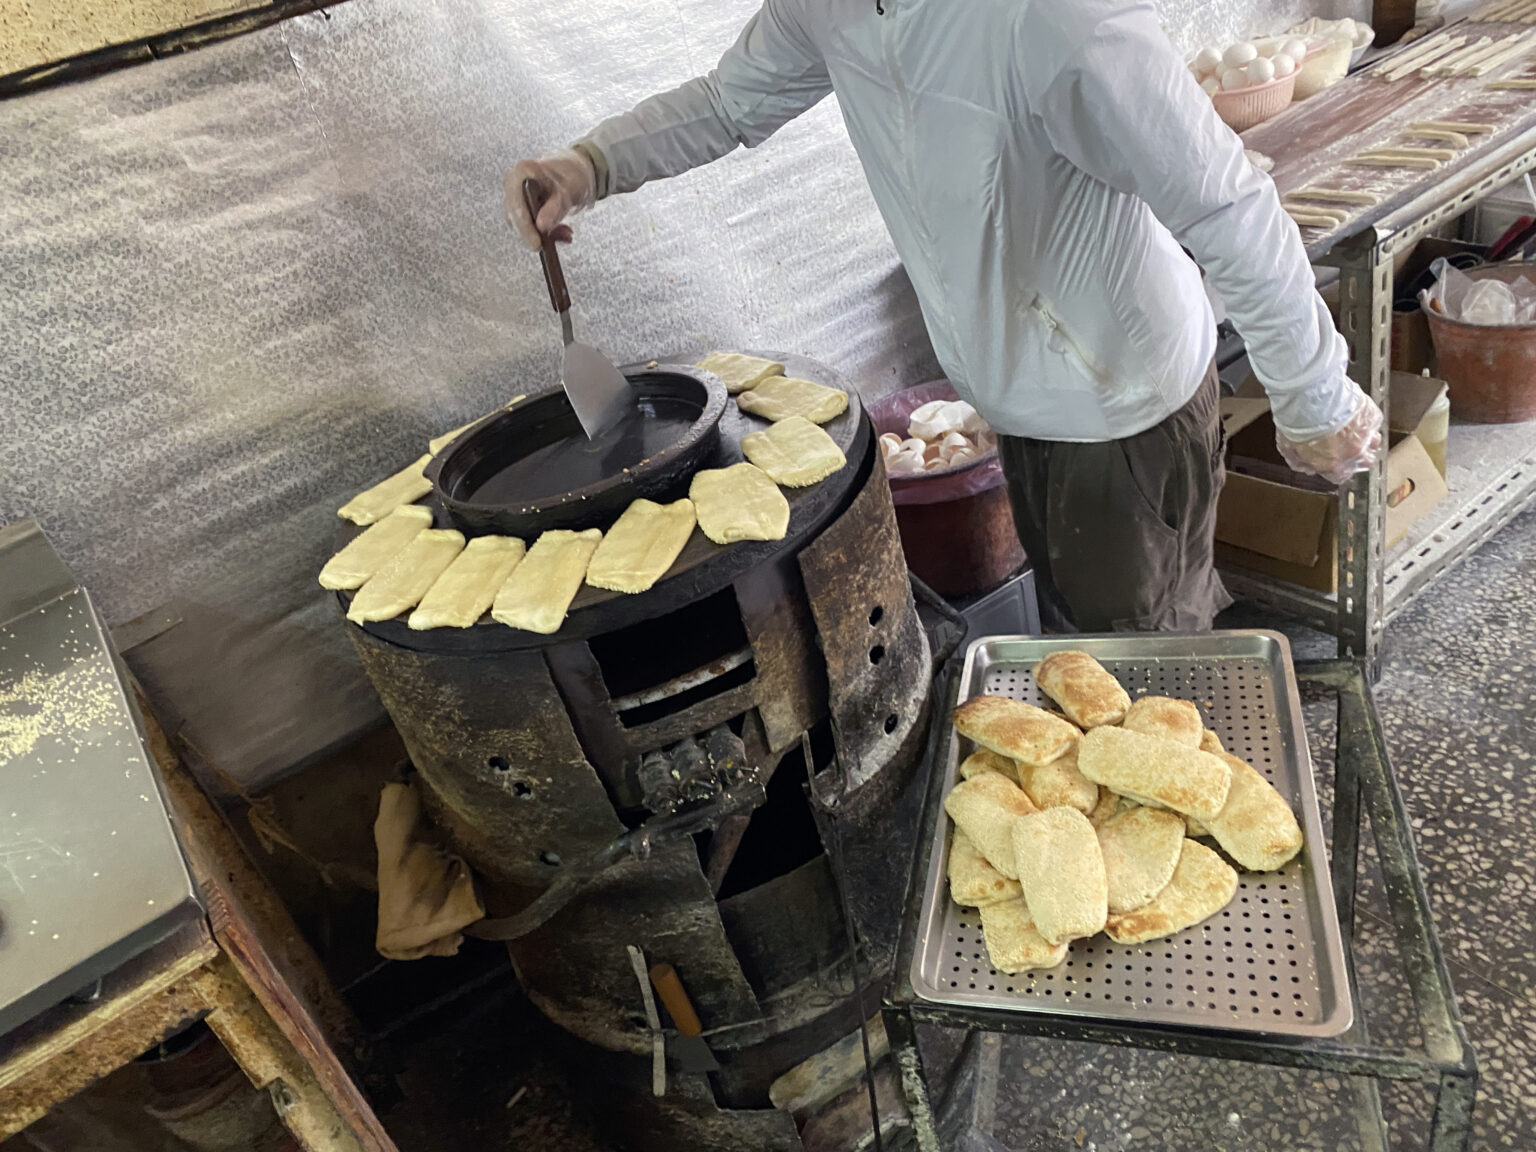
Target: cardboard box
{"points": [[1277, 522]]}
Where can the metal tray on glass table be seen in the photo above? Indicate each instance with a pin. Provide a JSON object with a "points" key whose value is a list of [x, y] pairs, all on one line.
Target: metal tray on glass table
{"points": [[1271, 962]]}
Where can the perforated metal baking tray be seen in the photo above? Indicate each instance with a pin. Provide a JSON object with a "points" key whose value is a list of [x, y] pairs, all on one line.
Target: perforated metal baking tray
{"points": [[1271, 962]]}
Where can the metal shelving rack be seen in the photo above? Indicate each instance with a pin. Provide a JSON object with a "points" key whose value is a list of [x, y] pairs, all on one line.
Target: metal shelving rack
{"points": [[1374, 586], [1364, 788]]}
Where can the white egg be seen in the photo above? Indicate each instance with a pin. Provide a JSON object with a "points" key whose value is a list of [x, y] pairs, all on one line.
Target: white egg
{"points": [[1238, 55], [1296, 49], [1261, 71], [1233, 79], [1206, 60], [1211, 85], [1284, 65]]}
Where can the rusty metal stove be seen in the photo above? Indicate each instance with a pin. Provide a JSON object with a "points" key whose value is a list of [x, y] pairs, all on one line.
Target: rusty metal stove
{"points": [[670, 769]]}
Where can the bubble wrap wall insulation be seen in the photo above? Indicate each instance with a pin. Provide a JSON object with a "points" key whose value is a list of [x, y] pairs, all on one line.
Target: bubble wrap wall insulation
{"points": [[239, 285]]}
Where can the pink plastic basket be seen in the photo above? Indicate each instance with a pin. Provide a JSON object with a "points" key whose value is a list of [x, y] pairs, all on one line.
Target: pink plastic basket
{"points": [[1245, 107]]}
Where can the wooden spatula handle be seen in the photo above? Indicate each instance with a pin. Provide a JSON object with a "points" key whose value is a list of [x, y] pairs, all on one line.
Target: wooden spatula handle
{"points": [[679, 1007], [554, 276]]}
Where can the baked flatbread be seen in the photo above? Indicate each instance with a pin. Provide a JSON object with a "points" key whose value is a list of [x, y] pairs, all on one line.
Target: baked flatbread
{"points": [[794, 452], [1177, 720], [1256, 826], [1106, 809], [1014, 729], [1194, 829], [1210, 742], [739, 371], [405, 487], [539, 592], [983, 760], [641, 545], [1062, 873], [1202, 885], [1013, 944], [779, 397], [1087, 693], [1141, 848], [739, 503], [984, 808], [1059, 784], [1150, 768], [973, 882], [404, 580], [464, 592], [374, 547]]}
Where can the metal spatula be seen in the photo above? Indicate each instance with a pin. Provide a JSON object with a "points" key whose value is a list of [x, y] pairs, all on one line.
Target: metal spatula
{"points": [[597, 391]]}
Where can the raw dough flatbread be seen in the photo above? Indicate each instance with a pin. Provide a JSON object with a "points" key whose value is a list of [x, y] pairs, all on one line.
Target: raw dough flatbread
{"points": [[1059, 784], [1334, 196], [402, 582], [1465, 127], [1141, 848], [641, 545], [537, 595], [371, 549], [1013, 944], [1062, 873], [1014, 729], [465, 591], [1152, 768], [973, 883], [1177, 720], [984, 808], [405, 487], [984, 760], [1256, 826], [1086, 691], [739, 503], [794, 452], [739, 371], [779, 397], [1202, 885]]}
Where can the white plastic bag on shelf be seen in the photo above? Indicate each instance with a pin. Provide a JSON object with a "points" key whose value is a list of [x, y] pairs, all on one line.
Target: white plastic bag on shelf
{"points": [[1457, 296]]}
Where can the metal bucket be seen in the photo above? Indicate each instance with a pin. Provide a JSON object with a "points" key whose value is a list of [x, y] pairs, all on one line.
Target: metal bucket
{"points": [[1491, 369]]}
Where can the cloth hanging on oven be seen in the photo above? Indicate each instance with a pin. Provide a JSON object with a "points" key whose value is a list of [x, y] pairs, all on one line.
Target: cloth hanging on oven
{"points": [[427, 896]]}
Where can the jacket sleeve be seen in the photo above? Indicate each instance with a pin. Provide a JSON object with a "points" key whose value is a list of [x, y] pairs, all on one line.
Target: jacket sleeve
{"points": [[768, 77], [1125, 109]]}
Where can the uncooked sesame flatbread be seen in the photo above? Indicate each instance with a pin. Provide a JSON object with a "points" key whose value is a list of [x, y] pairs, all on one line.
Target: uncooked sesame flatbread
{"points": [[374, 547], [1150, 768], [1202, 885], [1255, 826], [1013, 944], [1086, 691], [984, 808], [984, 760], [739, 503], [466, 590], [1141, 849], [1058, 783], [1177, 720], [794, 452], [1014, 729], [972, 881], [780, 397], [539, 592], [1062, 873], [405, 487], [738, 371], [642, 544], [402, 582]]}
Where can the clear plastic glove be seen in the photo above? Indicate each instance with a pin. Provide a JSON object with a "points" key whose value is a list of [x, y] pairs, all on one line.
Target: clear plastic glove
{"points": [[1337, 457], [568, 183]]}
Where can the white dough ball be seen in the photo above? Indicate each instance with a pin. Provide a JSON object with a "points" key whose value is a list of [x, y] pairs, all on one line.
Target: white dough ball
{"points": [[1211, 85], [1283, 65], [1239, 54], [1206, 60], [1296, 49], [1267, 47], [1233, 79], [1260, 71]]}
